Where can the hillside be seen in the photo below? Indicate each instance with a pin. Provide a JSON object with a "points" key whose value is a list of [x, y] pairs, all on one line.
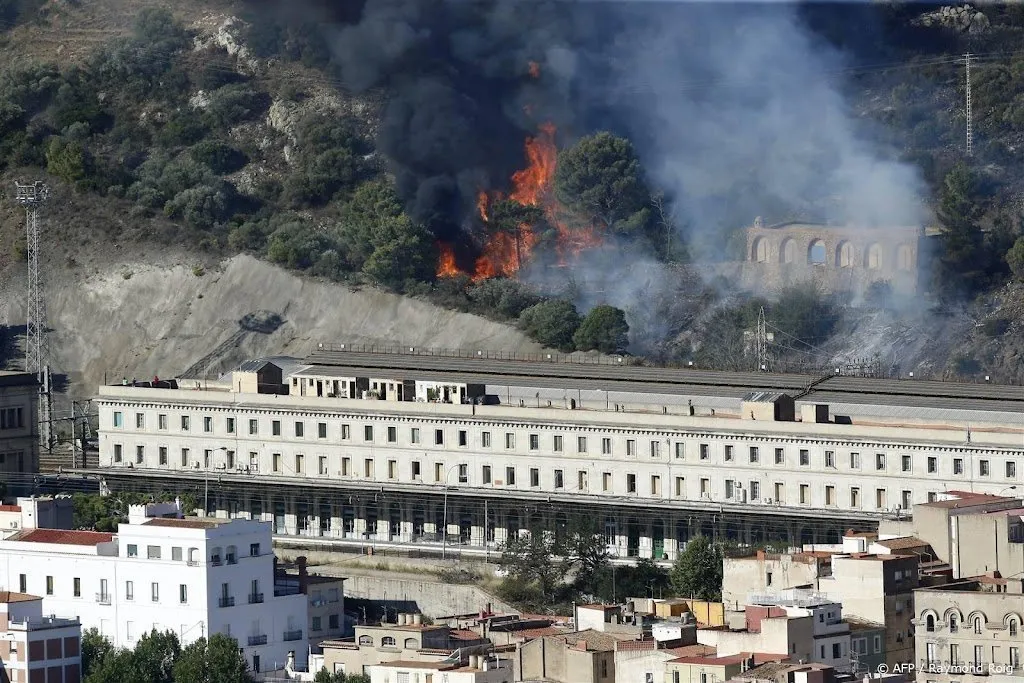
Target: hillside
{"points": [[378, 157]]}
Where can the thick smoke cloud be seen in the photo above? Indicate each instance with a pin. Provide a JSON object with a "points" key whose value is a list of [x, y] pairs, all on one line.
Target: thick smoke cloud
{"points": [[736, 111]]}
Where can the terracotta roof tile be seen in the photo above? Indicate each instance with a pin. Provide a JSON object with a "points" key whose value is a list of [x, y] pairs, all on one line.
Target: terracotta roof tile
{"points": [[10, 596], [191, 523], [62, 537], [10, 508]]}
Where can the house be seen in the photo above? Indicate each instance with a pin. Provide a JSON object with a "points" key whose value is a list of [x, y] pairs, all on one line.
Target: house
{"points": [[578, 657], [36, 648], [36, 512], [474, 669], [714, 669]]}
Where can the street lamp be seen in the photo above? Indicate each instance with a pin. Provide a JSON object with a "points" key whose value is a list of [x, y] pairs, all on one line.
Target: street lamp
{"points": [[206, 482], [1008, 488], [444, 531]]}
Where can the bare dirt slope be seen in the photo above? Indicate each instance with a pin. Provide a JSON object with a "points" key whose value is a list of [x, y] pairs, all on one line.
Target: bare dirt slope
{"points": [[164, 319]]}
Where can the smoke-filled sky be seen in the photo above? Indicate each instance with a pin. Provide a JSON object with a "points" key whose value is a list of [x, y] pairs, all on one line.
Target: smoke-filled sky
{"points": [[735, 108]]}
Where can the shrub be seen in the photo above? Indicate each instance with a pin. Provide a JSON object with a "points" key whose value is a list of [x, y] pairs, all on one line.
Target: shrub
{"points": [[604, 329], [552, 323], [182, 128], [234, 104], [1015, 259], [67, 159], [219, 156], [507, 298], [201, 207], [995, 327]]}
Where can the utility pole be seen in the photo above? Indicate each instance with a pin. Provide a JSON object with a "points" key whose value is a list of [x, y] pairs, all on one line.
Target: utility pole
{"points": [[970, 137], [36, 352], [762, 341]]}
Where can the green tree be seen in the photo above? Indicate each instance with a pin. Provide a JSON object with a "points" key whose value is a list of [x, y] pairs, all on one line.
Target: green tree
{"points": [[536, 559], [216, 660], [67, 159], [801, 312], [325, 676], [405, 254], [95, 648], [113, 668], [697, 571], [552, 323], [601, 177], [644, 579], [960, 209], [1015, 259], [604, 328], [153, 658]]}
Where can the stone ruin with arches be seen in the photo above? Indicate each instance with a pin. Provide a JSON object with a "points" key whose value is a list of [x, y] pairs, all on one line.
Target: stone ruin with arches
{"points": [[835, 258]]}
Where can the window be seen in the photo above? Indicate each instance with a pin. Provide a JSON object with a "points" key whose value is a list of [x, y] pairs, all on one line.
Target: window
{"points": [[557, 443], [415, 470], [534, 442], [1011, 469], [655, 485], [387, 641], [486, 474], [76, 587], [140, 421], [1013, 627], [558, 479], [276, 462], [681, 487], [830, 495], [705, 488], [129, 590], [438, 437], [155, 592], [368, 467], [905, 463], [49, 585], [906, 500], [880, 498], [321, 430], [1015, 658], [755, 491], [346, 433], [346, 467], [983, 468], [510, 440], [837, 651], [463, 438], [767, 578], [207, 424], [183, 594], [534, 477], [254, 550], [680, 450], [368, 433], [655, 449], [275, 428], [254, 427], [317, 624], [879, 461], [463, 474], [581, 444], [780, 492], [299, 460], [161, 421], [754, 456], [855, 465], [438, 471], [184, 457], [830, 459], [606, 446], [163, 454], [133, 550], [118, 455], [728, 453], [510, 476], [300, 429], [958, 465], [118, 418], [153, 552], [606, 481], [854, 497], [805, 457], [230, 425], [780, 456], [23, 583], [805, 494], [140, 455], [365, 640], [932, 464], [485, 440], [953, 624], [630, 483], [414, 435], [977, 625]]}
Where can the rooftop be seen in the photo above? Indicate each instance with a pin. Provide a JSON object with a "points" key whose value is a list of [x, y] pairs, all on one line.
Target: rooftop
{"points": [[903, 543], [62, 537], [189, 523], [596, 641], [7, 597], [10, 508], [758, 657], [965, 499]]}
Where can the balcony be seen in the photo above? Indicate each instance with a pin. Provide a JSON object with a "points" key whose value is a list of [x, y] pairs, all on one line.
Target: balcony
{"points": [[226, 602], [255, 598], [293, 635], [193, 563], [103, 598], [257, 640]]}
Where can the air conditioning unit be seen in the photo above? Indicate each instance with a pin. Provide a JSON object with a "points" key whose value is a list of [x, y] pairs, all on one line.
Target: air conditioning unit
{"points": [[221, 466], [769, 501]]}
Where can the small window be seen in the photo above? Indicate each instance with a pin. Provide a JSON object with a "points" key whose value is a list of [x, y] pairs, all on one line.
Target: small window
{"points": [[49, 585], [655, 449], [154, 592], [485, 439], [415, 470], [140, 421], [805, 457], [438, 437], [958, 466], [153, 552], [680, 450], [118, 418], [606, 446], [510, 440], [77, 587], [129, 590], [510, 476], [581, 444], [176, 554], [830, 459], [414, 435], [368, 433], [906, 464], [1011, 469], [254, 549], [534, 442], [321, 430], [133, 550], [387, 641], [780, 456], [558, 479], [983, 468], [392, 434], [705, 451], [207, 424], [161, 422], [183, 594], [854, 461], [230, 425], [631, 448], [486, 474], [754, 455], [118, 452], [630, 483], [534, 477], [346, 433], [879, 461], [557, 443], [163, 454], [254, 427], [300, 429], [275, 428]]}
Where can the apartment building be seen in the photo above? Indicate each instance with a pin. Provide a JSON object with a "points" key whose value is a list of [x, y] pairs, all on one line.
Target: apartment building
{"points": [[970, 631], [191, 576], [36, 512], [476, 669], [715, 669], [662, 462], [19, 426], [35, 648], [578, 657]]}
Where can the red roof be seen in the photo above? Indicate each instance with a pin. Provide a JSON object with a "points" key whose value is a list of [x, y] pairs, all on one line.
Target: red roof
{"points": [[531, 633], [636, 645], [10, 508], [464, 634], [63, 537]]}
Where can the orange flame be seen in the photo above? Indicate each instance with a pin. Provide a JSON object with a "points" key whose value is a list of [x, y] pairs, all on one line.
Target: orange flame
{"points": [[506, 254], [534, 70], [446, 266]]}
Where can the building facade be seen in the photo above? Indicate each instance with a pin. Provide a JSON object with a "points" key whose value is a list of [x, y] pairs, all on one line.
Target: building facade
{"points": [[970, 631], [19, 427], [36, 648], [650, 479], [191, 576]]}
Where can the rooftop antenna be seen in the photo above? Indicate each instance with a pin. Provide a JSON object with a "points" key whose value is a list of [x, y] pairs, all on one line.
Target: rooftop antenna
{"points": [[32, 197], [762, 342], [970, 137]]}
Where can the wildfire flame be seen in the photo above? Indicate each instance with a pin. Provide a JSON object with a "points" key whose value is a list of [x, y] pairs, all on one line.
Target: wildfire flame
{"points": [[505, 254]]}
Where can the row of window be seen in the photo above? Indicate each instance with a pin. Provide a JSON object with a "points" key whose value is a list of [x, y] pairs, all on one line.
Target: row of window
{"points": [[12, 418], [977, 664], [155, 552], [653, 447], [103, 596], [952, 622]]}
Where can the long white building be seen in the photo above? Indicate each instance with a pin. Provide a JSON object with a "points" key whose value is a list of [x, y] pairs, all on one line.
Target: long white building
{"points": [[365, 448], [191, 576]]}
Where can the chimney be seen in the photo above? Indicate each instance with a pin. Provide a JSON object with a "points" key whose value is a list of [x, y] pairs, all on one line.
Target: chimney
{"points": [[303, 574]]}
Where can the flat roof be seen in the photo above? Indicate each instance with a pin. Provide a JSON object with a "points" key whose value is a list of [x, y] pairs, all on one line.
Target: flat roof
{"points": [[902, 543], [621, 376], [189, 523], [10, 508], [8, 597], [62, 537], [966, 499]]}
